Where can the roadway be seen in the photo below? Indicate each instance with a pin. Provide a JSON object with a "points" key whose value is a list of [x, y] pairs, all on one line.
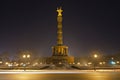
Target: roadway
{"points": [[59, 75]]}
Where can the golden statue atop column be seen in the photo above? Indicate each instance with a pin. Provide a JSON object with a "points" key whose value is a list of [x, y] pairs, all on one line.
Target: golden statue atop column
{"points": [[59, 10]]}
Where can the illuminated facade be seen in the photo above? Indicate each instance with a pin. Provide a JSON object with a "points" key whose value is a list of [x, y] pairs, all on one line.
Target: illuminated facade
{"points": [[60, 51]]}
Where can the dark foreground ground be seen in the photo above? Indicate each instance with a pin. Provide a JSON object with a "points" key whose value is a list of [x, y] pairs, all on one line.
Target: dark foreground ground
{"points": [[62, 76]]}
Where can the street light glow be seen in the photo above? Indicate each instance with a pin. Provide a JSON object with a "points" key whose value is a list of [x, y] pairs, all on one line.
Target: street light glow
{"points": [[95, 55], [112, 62], [28, 56], [24, 56], [117, 62]]}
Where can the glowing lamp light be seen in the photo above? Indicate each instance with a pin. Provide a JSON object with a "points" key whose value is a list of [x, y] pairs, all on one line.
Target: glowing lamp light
{"points": [[6, 63], [24, 56], [78, 63], [28, 56], [117, 62], [90, 63], [112, 62], [95, 55], [9, 65], [100, 63], [1, 62]]}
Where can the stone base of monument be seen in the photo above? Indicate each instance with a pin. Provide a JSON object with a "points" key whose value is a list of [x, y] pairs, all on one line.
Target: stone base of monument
{"points": [[60, 67]]}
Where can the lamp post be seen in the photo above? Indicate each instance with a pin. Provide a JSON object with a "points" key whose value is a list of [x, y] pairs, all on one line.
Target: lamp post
{"points": [[95, 57], [25, 57]]}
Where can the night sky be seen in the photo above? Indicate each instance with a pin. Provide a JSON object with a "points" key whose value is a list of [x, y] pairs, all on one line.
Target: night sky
{"points": [[87, 26]]}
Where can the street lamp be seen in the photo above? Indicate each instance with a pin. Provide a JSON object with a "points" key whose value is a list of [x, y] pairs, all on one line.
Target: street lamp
{"points": [[95, 56], [28, 56], [25, 57]]}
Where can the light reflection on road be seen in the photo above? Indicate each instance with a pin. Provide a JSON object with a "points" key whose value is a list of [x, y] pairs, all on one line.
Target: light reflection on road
{"points": [[57, 77], [61, 76]]}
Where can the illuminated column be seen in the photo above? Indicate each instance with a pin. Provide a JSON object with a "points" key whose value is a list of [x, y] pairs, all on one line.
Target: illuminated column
{"points": [[59, 32]]}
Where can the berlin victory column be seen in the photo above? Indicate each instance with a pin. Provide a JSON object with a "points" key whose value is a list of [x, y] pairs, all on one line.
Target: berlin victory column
{"points": [[60, 51]]}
